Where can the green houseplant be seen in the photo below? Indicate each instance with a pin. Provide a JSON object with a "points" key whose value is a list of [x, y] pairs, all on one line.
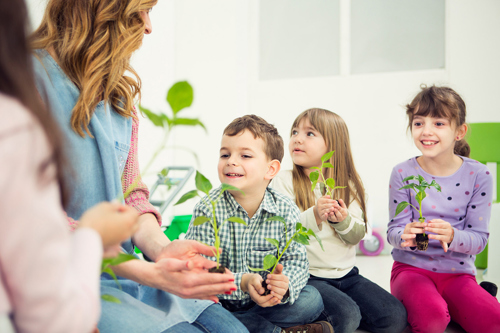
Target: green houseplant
{"points": [[203, 185], [327, 186], [179, 97], [420, 188], [270, 261]]}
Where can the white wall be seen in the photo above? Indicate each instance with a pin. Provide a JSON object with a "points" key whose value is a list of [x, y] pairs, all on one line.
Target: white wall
{"points": [[213, 45]]}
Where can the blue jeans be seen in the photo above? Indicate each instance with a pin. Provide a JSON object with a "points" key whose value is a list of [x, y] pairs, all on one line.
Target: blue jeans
{"points": [[353, 301], [306, 308], [214, 319]]}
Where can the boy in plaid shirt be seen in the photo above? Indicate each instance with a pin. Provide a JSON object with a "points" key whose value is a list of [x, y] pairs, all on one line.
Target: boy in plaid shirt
{"points": [[250, 156]]}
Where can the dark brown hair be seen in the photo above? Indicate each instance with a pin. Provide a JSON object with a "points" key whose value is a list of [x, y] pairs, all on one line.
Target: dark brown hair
{"points": [[273, 143], [440, 102], [334, 130], [17, 79]]}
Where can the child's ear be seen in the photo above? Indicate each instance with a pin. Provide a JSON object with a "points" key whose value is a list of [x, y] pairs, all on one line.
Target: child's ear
{"points": [[461, 131], [272, 169]]}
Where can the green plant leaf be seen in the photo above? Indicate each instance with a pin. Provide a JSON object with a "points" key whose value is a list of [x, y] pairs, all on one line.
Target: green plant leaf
{"points": [[200, 220], [420, 196], [202, 183], [421, 179], [409, 178], [164, 172], [110, 298], [155, 118], [121, 258], [269, 261], [436, 185], [180, 96], [401, 206], [315, 168], [187, 196], [327, 165], [327, 156], [330, 182], [298, 226], [226, 187], [274, 242], [237, 220], [109, 271], [314, 176], [313, 185], [300, 238], [188, 122], [310, 232], [412, 185], [277, 218]]}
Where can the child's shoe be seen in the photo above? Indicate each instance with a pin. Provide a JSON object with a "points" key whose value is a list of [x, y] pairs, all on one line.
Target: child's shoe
{"points": [[489, 287], [317, 327]]}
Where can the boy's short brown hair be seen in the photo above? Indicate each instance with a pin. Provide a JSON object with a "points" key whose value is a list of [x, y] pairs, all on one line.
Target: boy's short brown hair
{"points": [[273, 143]]}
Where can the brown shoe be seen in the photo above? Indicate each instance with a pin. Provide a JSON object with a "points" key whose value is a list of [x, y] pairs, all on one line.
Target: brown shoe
{"points": [[317, 327]]}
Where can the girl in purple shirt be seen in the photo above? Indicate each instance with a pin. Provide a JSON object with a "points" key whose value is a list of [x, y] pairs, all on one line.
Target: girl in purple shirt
{"points": [[439, 284]]}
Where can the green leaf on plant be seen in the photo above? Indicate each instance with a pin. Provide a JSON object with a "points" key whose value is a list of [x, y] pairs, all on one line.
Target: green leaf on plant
{"points": [[314, 176], [202, 183], [330, 182], [327, 165], [110, 298], [409, 178], [401, 206], [121, 258], [315, 168], [436, 185], [313, 185], [421, 179], [310, 232], [420, 196], [300, 238], [327, 156], [180, 96], [188, 122], [274, 242], [200, 220], [109, 271], [257, 269], [237, 220], [269, 261], [155, 118], [277, 218], [164, 172], [409, 186], [187, 196], [225, 187]]}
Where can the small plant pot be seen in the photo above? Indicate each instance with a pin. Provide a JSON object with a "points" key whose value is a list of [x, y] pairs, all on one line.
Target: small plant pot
{"points": [[220, 270], [422, 242]]}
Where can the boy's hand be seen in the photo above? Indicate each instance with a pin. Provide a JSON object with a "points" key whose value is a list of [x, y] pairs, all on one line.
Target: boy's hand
{"points": [[339, 213], [252, 284], [277, 283]]}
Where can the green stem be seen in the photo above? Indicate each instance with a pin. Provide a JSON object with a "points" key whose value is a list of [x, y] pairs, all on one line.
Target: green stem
{"points": [[216, 233], [281, 254]]}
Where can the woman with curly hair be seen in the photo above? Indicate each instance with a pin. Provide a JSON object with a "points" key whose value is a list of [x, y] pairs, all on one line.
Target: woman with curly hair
{"points": [[82, 53]]}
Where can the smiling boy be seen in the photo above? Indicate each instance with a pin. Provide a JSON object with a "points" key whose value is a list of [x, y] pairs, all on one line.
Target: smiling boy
{"points": [[250, 156]]}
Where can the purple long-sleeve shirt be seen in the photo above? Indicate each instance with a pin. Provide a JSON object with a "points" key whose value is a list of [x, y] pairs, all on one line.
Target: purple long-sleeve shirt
{"points": [[465, 202]]}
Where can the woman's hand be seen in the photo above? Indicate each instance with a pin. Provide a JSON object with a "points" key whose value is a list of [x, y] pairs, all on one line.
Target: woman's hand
{"points": [[443, 230], [339, 213], [410, 233]]}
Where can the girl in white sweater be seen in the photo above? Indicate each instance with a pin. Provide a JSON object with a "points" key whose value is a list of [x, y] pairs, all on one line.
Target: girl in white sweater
{"points": [[351, 301]]}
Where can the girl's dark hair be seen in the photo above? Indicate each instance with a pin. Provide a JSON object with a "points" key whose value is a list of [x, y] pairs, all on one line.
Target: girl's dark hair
{"points": [[17, 79], [440, 102]]}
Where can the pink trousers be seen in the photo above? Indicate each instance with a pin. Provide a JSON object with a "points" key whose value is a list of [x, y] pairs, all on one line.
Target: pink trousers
{"points": [[432, 299]]}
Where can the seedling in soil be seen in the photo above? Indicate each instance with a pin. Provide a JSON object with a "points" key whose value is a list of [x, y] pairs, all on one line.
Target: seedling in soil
{"points": [[301, 236], [327, 186], [204, 185], [421, 239]]}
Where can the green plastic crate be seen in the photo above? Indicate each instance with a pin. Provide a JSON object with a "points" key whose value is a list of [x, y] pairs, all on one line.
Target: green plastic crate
{"points": [[482, 259]]}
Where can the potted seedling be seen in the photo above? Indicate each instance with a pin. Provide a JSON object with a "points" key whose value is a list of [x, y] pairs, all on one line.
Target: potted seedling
{"points": [[421, 239], [327, 186], [270, 261], [204, 185]]}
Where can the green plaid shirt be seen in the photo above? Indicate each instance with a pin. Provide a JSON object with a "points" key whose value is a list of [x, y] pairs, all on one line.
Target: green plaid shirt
{"points": [[244, 246]]}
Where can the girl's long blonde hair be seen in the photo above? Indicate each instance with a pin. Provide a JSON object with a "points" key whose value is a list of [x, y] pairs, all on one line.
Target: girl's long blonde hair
{"points": [[334, 130], [93, 41]]}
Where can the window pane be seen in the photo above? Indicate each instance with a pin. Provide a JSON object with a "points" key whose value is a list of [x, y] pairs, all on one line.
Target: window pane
{"points": [[298, 38], [397, 35]]}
